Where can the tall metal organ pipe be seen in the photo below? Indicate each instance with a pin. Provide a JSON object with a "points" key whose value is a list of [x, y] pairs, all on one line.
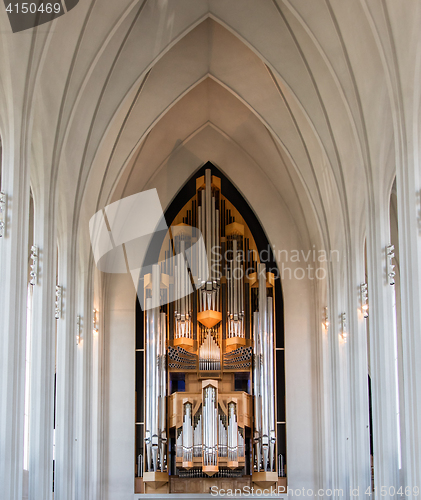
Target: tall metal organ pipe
{"points": [[209, 226], [155, 412], [232, 433], [263, 373], [209, 296], [183, 307], [188, 436], [235, 294], [210, 429]]}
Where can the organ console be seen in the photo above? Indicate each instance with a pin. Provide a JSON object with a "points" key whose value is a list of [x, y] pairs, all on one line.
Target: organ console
{"points": [[209, 322]]}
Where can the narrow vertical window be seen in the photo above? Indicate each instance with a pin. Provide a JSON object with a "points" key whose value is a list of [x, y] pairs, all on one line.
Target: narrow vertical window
{"points": [[28, 341], [396, 308]]}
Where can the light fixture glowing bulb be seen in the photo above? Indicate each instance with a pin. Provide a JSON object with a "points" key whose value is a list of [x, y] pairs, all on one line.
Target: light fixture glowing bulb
{"points": [[326, 318], [95, 322], [364, 299], [344, 332]]}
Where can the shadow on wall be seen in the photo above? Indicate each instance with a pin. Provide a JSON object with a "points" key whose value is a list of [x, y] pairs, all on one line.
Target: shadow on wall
{"points": [[26, 15]]}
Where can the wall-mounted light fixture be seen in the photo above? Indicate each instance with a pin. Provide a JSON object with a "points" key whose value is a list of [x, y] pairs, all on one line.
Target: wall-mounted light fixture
{"points": [[95, 322], [326, 318], [34, 266], [78, 330], [57, 309], [390, 254], [364, 299], [2, 214], [344, 330]]}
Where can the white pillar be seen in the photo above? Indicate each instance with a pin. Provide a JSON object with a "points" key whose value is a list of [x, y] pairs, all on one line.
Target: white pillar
{"points": [[96, 476], [13, 296], [84, 386], [360, 473], [338, 383], [385, 426], [408, 183], [41, 415], [65, 411]]}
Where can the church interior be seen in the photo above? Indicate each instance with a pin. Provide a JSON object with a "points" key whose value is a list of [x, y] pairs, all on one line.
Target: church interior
{"points": [[210, 250]]}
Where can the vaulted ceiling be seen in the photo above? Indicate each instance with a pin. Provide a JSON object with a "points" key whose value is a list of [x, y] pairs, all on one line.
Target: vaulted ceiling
{"points": [[305, 93]]}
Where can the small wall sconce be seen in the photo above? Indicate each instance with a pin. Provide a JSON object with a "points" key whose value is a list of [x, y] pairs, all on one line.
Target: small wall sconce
{"points": [[57, 310], [78, 330], [326, 318], [344, 332], [34, 266], [95, 322], [2, 214], [364, 299], [390, 254]]}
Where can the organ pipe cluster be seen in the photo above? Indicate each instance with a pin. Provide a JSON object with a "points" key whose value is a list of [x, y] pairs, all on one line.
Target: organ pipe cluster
{"points": [[263, 388], [183, 304], [208, 224], [226, 325], [209, 352], [156, 383], [235, 284], [219, 436]]}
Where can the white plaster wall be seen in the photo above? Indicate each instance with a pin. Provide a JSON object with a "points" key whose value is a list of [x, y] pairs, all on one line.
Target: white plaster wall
{"points": [[120, 388]]}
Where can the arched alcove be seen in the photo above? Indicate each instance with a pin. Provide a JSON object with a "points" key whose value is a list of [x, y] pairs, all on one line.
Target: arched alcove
{"points": [[300, 359], [234, 223], [205, 117]]}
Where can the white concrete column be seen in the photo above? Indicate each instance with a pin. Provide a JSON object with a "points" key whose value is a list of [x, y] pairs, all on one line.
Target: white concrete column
{"points": [[385, 426], [408, 183], [43, 354], [360, 473], [339, 392], [65, 409], [13, 296], [97, 441], [84, 391]]}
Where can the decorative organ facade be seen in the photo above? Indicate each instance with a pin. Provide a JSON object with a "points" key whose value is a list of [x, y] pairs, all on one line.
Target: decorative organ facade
{"points": [[208, 373]]}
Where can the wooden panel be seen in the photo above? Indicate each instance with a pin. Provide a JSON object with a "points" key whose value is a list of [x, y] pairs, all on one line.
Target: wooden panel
{"points": [[204, 485]]}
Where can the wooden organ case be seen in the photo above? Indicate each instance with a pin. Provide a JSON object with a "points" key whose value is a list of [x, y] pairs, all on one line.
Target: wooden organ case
{"points": [[208, 409]]}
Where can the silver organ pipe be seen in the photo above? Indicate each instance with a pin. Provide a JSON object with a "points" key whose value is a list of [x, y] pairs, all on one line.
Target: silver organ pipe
{"points": [[232, 435], [179, 442], [210, 430], [183, 309], [199, 260], [162, 362], [264, 379], [271, 393], [203, 229], [197, 436], [208, 197], [155, 413], [241, 450], [148, 396], [187, 436], [209, 226], [223, 435], [235, 294], [257, 355]]}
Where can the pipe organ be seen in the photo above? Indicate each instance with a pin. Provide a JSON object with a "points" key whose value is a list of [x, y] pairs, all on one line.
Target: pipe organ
{"points": [[209, 349]]}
